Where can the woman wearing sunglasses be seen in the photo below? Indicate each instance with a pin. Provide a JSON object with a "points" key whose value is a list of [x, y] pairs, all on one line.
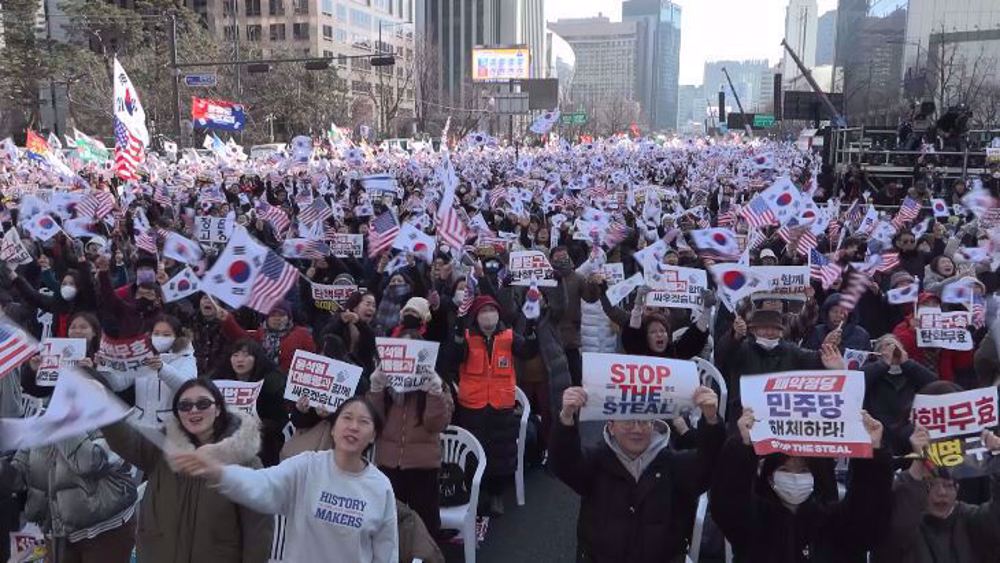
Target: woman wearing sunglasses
{"points": [[181, 518], [339, 506]]}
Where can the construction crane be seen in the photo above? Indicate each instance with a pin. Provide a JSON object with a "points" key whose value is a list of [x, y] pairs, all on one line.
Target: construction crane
{"points": [[738, 104], [838, 119]]}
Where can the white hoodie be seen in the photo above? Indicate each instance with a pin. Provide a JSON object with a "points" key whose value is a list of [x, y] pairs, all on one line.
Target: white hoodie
{"points": [[330, 511], [154, 392]]}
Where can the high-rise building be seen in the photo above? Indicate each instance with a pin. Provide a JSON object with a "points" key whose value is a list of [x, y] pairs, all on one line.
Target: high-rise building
{"points": [[800, 34], [605, 51], [746, 77], [454, 27], [826, 38], [658, 58], [870, 62], [691, 103]]}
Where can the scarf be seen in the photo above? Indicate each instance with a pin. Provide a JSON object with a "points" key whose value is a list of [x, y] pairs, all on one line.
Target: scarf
{"points": [[272, 342]]}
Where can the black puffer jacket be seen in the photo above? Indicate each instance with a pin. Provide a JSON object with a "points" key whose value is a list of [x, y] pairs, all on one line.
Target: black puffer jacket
{"points": [[624, 521], [762, 530]]}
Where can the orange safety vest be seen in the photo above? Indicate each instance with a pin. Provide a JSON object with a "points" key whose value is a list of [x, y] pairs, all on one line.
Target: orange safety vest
{"points": [[485, 380]]}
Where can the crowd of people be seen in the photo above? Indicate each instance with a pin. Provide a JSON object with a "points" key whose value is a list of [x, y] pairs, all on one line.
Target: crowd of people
{"points": [[188, 477]]}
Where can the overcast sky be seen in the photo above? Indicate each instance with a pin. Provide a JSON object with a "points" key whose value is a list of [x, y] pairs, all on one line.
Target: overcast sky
{"points": [[710, 29]]}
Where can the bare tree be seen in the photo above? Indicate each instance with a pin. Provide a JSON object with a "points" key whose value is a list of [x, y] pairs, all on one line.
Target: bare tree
{"points": [[389, 92], [959, 78], [426, 66]]}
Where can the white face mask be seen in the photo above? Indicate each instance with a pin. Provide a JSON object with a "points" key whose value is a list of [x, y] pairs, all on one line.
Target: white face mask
{"points": [[162, 343], [768, 343], [68, 292], [459, 296], [792, 488]]}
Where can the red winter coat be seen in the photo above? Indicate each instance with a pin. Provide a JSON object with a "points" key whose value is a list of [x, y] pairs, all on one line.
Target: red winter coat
{"points": [[948, 361]]}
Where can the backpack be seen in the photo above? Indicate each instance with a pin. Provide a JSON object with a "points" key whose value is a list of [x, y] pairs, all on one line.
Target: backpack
{"points": [[452, 488]]}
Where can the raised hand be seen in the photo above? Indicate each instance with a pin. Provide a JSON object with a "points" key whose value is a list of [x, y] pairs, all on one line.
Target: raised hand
{"points": [[707, 400], [874, 429], [745, 423], [574, 398]]}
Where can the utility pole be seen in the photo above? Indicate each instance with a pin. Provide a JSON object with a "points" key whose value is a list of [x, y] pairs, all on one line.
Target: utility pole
{"points": [[52, 83], [381, 86], [177, 78]]}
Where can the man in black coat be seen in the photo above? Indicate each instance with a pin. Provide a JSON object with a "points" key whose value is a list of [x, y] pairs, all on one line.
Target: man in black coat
{"points": [[637, 495], [890, 384]]}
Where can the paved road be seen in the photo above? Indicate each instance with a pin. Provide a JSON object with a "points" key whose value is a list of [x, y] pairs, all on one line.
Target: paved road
{"points": [[541, 531]]}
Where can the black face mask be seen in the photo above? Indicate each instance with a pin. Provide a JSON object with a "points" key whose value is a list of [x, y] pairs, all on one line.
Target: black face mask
{"points": [[146, 306], [409, 322]]}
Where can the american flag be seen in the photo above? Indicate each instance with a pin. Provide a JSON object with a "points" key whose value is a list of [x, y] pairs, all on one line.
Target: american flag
{"points": [[833, 229], [15, 347], [755, 239], [273, 215], [316, 211], [727, 215], [142, 233], [96, 205], [852, 218], [908, 211], [823, 270], [128, 152], [889, 261], [275, 278], [381, 233], [854, 288], [161, 197], [806, 240], [978, 312], [496, 195], [470, 294], [451, 228], [758, 214]]}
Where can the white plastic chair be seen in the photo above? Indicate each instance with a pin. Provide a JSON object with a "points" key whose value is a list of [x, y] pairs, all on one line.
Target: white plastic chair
{"points": [[522, 399], [700, 514], [456, 446]]}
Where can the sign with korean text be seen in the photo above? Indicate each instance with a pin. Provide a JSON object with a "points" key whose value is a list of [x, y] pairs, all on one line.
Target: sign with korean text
{"points": [[56, 353], [331, 297], [324, 381], [783, 282], [527, 265], [807, 413], [949, 331], [955, 423], [28, 545], [989, 219], [676, 287], [614, 273], [622, 387], [344, 245], [407, 363], [125, 355], [240, 395], [210, 229]]}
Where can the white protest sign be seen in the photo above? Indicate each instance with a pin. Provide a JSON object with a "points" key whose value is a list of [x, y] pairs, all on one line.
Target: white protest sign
{"points": [[12, 250], [211, 229], [28, 545], [636, 387], [56, 353], [676, 287], [937, 329], [807, 413], [331, 297], [240, 395], [324, 381], [123, 354], [347, 245], [406, 363], [526, 265], [954, 414], [783, 282], [614, 273], [621, 289]]}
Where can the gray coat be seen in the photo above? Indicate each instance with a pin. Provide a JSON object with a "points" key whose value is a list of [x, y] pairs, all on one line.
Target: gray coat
{"points": [[77, 485]]}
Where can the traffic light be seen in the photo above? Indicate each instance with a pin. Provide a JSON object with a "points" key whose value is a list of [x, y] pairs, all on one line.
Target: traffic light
{"points": [[388, 60]]}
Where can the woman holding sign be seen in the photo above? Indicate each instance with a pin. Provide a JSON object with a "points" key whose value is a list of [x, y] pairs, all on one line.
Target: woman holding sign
{"points": [[339, 506], [786, 509]]}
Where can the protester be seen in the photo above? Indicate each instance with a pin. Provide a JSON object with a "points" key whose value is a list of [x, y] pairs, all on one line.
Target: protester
{"points": [[207, 338], [408, 450], [248, 362], [182, 518], [891, 382], [81, 494], [835, 317], [785, 509], [279, 336], [336, 502], [637, 494], [353, 326]]}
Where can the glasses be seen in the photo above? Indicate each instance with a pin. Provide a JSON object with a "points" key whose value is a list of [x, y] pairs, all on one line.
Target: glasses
{"points": [[200, 405]]}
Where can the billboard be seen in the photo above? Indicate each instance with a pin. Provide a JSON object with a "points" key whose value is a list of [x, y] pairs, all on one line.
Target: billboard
{"points": [[500, 64]]}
